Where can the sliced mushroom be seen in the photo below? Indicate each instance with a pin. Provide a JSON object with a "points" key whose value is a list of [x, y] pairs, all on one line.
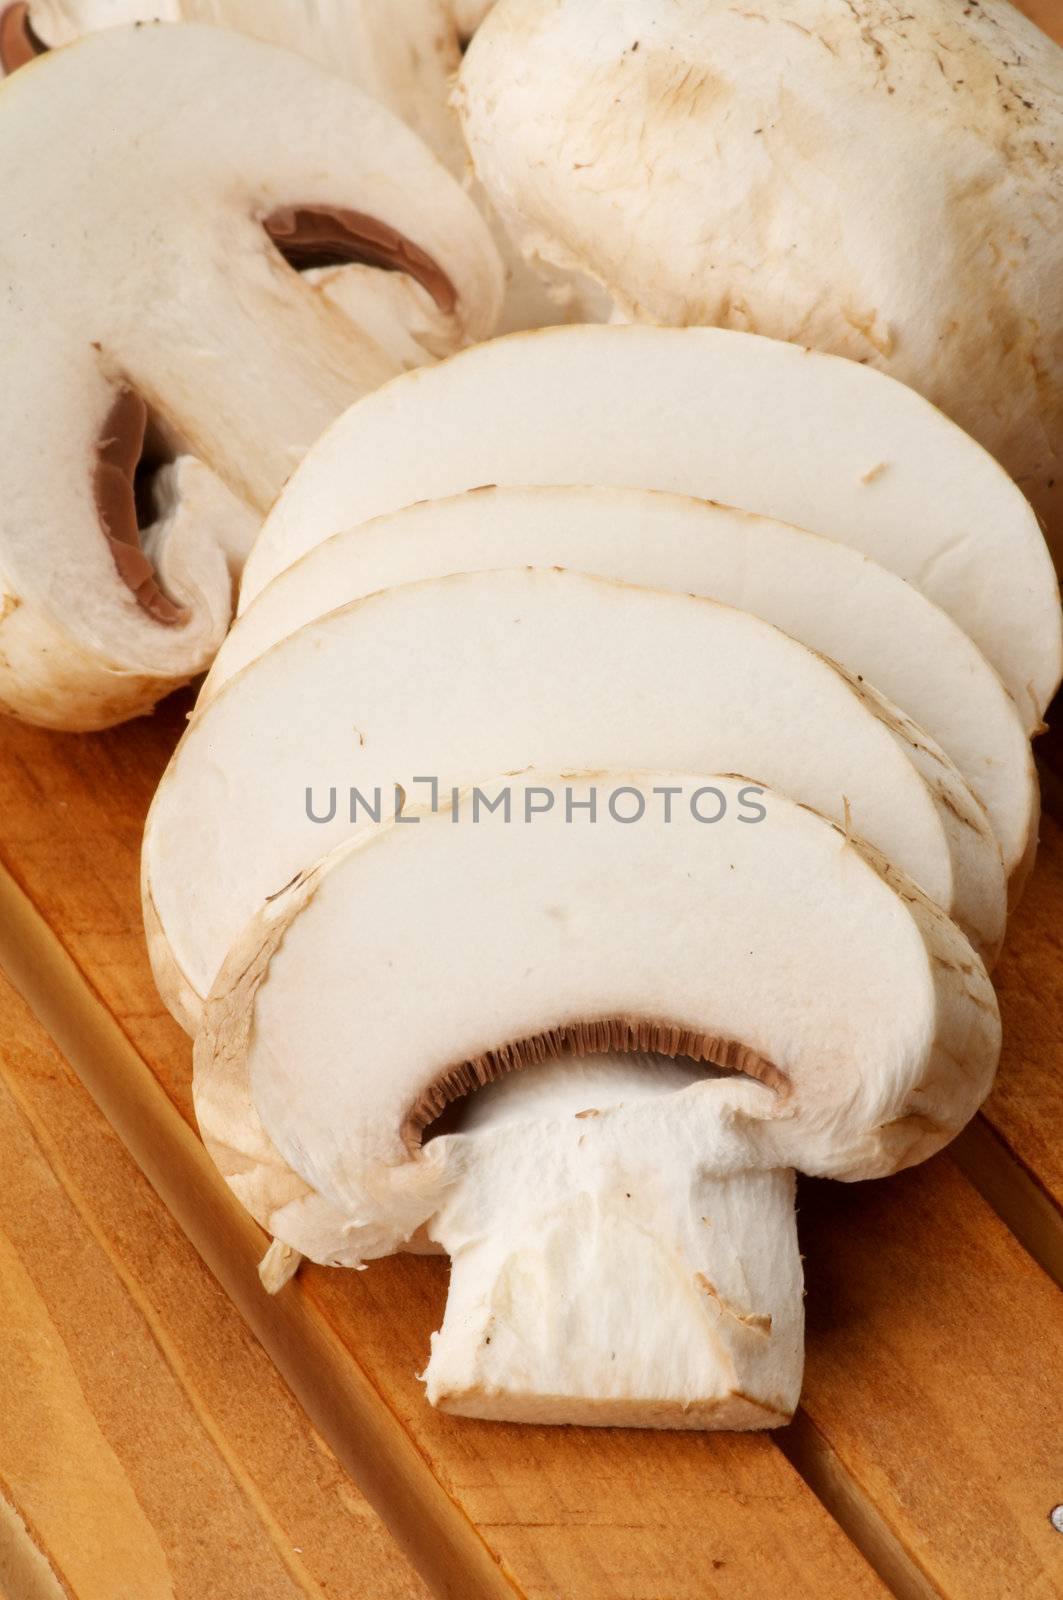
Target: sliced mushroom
{"points": [[813, 440], [468, 15], [406, 61], [406, 56], [832, 598], [878, 181], [629, 1259], [19, 44], [143, 170], [494, 671]]}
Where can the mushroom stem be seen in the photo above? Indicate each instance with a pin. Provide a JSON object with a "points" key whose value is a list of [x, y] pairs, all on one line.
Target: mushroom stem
{"points": [[630, 1266]]}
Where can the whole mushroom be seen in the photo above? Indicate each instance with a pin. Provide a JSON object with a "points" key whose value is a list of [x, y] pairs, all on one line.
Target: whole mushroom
{"points": [[620, 1253], [876, 179]]}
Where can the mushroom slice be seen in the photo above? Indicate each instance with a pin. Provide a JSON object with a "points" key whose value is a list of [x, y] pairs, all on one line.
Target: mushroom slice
{"points": [[494, 671], [468, 15], [406, 56], [170, 324], [832, 598], [811, 439], [618, 1255], [605, 134], [405, 63]]}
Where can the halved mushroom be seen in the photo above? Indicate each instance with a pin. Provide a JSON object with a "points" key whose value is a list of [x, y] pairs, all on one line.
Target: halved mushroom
{"points": [[468, 15], [155, 179], [406, 61], [832, 598], [406, 56], [487, 672], [877, 180], [615, 1258], [826, 444]]}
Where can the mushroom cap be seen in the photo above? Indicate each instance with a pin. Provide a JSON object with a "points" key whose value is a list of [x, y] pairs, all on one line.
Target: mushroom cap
{"points": [[784, 950], [883, 182], [462, 677], [826, 444], [174, 311], [835, 600]]}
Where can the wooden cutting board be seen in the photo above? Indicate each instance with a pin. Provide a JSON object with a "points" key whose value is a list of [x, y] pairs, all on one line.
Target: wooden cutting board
{"points": [[929, 1448], [168, 1429]]}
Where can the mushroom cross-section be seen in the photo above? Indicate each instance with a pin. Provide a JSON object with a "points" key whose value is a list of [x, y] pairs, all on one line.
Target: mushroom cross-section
{"points": [[812, 439], [466, 676], [835, 600], [405, 53], [155, 180], [626, 1260], [404, 57], [875, 179]]}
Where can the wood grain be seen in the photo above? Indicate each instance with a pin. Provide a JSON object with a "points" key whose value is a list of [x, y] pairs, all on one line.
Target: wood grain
{"points": [[578, 1511], [148, 1448], [931, 1421], [935, 1376]]}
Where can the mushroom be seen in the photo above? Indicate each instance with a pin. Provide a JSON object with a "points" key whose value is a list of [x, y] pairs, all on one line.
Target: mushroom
{"points": [[405, 61], [835, 600], [488, 672], [617, 1257], [814, 440], [171, 324], [875, 180], [406, 56], [468, 15]]}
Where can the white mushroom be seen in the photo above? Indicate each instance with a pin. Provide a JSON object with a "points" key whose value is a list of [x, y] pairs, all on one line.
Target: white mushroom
{"points": [[878, 180], [618, 1255], [157, 183], [480, 673], [406, 56], [826, 444], [828, 595], [406, 62], [469, 14]]}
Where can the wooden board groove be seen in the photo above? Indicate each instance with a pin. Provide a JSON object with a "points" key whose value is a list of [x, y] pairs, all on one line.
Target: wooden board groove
{"points": [[1015, 1193], [148, 1448], [564, 1512], [806, 1449], [935, 1374], [339, 1398]]}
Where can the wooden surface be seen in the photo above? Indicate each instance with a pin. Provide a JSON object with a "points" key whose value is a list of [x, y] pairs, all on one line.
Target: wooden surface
{"points": [[149, 1445], [929, 1449]]}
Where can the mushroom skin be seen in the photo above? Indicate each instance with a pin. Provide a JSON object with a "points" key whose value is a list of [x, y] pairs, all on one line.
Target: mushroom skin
{"points": [[854, 1029], [170, 325], [877, 180]]}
